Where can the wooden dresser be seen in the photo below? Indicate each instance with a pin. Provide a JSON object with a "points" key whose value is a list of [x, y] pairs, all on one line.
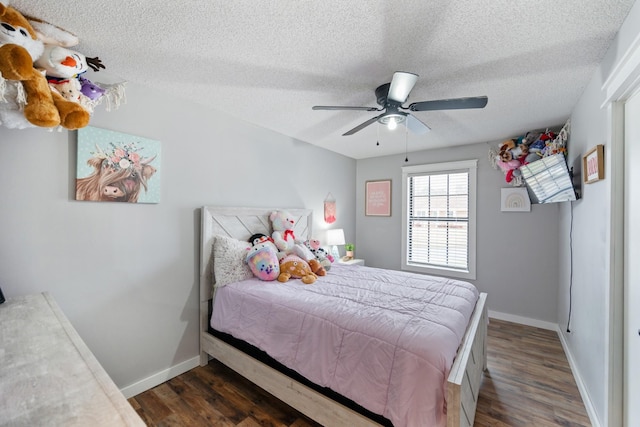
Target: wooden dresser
{"points": [[48, 376]]}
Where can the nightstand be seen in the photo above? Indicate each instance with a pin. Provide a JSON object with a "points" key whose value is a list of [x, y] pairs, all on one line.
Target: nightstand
{"points": [[353, 261]]}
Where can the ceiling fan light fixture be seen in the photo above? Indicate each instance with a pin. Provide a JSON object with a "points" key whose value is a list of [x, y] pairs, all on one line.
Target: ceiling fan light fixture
{"points": [[391, 97], [392, 120]]}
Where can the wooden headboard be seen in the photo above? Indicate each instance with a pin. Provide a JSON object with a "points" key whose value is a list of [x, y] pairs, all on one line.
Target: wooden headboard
{"points": [[240, 223]]}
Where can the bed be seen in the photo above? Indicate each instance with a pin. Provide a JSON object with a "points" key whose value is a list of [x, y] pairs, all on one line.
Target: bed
{"points": [[461, 381]]}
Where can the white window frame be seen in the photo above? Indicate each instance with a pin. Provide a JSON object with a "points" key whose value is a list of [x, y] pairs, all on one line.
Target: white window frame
{"points": [[470, 166]]}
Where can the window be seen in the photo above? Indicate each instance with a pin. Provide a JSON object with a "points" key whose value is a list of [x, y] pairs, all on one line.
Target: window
{"points": [[438, 218]]}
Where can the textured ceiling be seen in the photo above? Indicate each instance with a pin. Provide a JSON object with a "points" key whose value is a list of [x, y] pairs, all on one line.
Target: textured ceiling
{"points": [[269, 62]]}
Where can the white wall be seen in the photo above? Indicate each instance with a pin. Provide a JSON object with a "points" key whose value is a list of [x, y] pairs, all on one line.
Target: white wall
{"points": [[126, 275], [587, 342], [517, 253]]}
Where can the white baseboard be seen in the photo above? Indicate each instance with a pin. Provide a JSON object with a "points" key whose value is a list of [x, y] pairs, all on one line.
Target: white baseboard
{"points": [[588, 404], [574, 370], [160, 377], [523, 320]]}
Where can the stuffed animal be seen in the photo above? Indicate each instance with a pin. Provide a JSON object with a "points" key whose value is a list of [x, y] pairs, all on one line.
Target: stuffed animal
{"points": [[292, 266], [530, 137], [51, 34], [536, 146], [62, 63], [259, 238], [316, 267], [63, 68], [69, 89], [282, 223], [505, 153], [19, 49], [509, 168], [301, 250], [263, 260], [90, 89], [321, 254]]}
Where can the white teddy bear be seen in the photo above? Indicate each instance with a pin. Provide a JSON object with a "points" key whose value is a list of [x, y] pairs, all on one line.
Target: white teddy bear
{"points": [[282, 223]]}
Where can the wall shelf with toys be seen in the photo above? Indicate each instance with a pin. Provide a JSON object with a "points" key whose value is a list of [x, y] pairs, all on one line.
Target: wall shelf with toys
{"points": [[42, 81], [538, 160], [511, 154]]}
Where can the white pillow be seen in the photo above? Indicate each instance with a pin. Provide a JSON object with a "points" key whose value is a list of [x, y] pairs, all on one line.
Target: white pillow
{"points": [[228, 260]]}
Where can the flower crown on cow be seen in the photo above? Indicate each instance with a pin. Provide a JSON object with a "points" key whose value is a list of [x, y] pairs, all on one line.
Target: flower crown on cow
{"points": [[120, 157]]}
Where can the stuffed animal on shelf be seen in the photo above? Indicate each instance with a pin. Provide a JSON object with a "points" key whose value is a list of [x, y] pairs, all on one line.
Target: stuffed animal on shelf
{"points": [[63, 68], [90, 89], [282, 223], [26, 91], [62, 63], [510, 168], [69, 89], [262, 258], [292, 266]]}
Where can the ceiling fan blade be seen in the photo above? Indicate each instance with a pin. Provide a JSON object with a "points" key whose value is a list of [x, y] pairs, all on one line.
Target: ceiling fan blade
{"points": [[335, 107], [416, 126], [450, 104], [361, 126], [401, 86]]}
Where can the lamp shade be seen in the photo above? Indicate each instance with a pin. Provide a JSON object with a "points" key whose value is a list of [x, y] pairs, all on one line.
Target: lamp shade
{"points": [[335, 237]]}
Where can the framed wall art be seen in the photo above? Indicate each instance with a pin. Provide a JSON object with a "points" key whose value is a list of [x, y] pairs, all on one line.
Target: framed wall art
{"points": [[117, 167], [515, 200], [593, 164], [377, 198]]}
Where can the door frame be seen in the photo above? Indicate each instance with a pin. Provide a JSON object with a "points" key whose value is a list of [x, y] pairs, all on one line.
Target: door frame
{"points": [[623, 81]]}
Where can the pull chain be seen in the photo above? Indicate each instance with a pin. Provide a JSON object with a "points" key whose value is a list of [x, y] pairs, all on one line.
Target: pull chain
{"points": [[406, 144]]}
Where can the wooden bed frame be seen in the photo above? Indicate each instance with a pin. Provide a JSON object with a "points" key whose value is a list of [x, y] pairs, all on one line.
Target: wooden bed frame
{"points": [[464, 379]]}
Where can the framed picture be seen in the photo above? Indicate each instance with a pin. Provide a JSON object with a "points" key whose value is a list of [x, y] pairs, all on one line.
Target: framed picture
{"points": [[377, 198], [593, 164], [515, 200], [117, 167]]}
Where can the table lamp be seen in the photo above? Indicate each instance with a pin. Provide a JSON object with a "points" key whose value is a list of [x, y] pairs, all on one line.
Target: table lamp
{"points": [[335, 237]]}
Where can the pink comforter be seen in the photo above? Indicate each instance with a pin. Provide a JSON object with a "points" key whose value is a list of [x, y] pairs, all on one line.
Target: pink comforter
{"points": [[385, 339]]}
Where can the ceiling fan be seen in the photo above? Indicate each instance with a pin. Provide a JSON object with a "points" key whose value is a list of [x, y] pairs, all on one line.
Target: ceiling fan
{"points": [[391, 96]]}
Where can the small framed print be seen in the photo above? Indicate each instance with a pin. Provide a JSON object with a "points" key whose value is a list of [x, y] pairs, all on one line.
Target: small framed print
{"points": [[515, 200], [593, 164], [378, 198]]}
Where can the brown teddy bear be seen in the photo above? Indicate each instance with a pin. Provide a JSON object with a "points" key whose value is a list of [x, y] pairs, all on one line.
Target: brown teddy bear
{"points": [[19, 48]]}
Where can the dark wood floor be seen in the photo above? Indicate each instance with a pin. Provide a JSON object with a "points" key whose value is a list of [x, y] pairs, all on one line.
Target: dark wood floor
{"points": [[528, 383]]}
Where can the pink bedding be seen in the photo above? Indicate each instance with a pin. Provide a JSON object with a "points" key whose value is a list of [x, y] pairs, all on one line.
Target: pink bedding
{"points": [[385, 339]]}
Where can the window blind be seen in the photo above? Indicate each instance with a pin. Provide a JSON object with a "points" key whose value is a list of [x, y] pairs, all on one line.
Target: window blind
{"points": [[438, 219]]}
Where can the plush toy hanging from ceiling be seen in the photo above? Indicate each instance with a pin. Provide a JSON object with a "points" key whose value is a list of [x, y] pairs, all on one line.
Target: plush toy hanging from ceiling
{"points": [[39, 76]]}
